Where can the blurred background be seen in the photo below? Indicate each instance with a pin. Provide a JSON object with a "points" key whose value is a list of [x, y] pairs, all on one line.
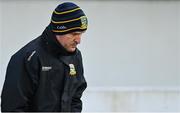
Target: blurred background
{"points": [[131, 50]]}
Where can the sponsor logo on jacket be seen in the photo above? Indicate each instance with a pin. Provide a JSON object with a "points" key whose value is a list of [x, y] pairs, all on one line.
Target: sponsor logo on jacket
{"points": [[46, 68]]}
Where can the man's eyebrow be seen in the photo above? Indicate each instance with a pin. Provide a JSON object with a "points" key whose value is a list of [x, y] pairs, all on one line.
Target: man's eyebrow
{"points": [[78, 32]]}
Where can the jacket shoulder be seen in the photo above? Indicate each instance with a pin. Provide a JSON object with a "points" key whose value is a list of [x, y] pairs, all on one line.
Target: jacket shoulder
{"points": [[29, 51]]}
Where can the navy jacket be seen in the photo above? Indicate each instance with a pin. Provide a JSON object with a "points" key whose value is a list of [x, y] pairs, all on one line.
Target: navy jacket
{"points": [[43, 76]]}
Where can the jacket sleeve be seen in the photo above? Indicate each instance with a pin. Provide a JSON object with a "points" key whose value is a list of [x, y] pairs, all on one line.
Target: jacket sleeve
{"points": [[20, 83], [76, 105]]}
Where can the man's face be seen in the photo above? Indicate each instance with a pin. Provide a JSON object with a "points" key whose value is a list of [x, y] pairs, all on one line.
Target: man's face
{"points": [[70, 41]]}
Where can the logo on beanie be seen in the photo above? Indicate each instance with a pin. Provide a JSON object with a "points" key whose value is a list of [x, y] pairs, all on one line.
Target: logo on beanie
{"points": [[83, 22], [61, 27]]}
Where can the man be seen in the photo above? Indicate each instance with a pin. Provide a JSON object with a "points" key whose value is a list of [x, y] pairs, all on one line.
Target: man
{"points": [[47, 73]]}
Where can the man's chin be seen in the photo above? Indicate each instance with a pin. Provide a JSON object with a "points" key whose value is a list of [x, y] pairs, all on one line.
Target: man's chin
{"points": [[72, 50]]}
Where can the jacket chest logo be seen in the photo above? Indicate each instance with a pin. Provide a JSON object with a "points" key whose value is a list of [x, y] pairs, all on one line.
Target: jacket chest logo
{"points": [[72, 71], [46, 68]]}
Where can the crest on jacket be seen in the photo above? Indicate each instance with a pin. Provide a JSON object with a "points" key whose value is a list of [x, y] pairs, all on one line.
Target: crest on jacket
{"points": [[72, 71]]}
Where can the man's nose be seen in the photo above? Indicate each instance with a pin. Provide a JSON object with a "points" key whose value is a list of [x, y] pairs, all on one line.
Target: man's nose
{"points": [[78, 39]]}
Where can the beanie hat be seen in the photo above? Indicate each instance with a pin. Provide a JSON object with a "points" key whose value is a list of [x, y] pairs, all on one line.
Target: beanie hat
{"points": [[67, 18]]}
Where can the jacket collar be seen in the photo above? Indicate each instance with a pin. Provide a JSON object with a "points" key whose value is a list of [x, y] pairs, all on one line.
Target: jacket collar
{"points": [[53, 45]]}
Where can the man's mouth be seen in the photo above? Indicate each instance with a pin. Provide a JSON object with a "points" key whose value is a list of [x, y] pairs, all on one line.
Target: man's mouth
{"points": [[74, 45]]}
